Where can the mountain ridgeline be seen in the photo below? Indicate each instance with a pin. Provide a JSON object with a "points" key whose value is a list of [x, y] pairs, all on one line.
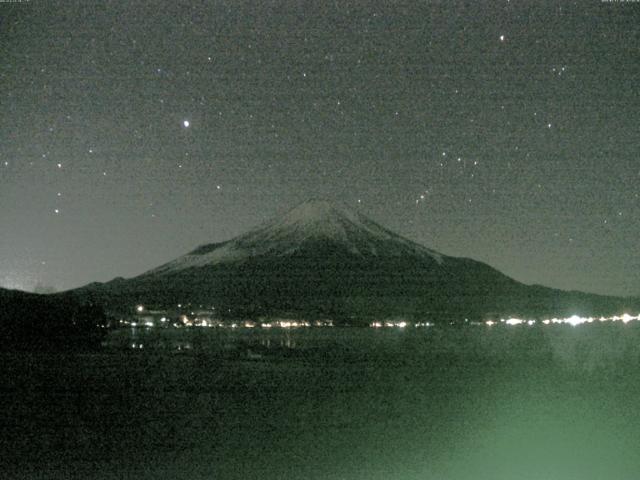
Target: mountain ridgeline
{"points": [[322, 261]]}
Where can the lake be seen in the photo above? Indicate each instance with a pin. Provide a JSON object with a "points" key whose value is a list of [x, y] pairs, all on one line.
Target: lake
{"points": [[475, 402]]}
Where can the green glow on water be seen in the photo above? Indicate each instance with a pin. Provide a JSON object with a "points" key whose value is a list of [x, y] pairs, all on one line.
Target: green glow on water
{"points": [[554, 403]]}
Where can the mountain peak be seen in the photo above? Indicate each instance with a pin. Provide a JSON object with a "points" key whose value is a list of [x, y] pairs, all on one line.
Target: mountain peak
{"points": [[315, 206], [318, 213], [314, 222], [314, 209]]}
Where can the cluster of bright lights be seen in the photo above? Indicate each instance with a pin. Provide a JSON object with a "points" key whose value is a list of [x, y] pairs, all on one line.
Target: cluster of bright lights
{"points": [[573, 320], [423, 324], [388, 324], [287, 324], [290, 323], [401, 324], [206, 321], [188, 321], [179, 346]]}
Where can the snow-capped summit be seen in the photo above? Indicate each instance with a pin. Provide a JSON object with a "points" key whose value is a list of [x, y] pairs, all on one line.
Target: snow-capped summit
{"points": [[314, 218], [312, 222]]}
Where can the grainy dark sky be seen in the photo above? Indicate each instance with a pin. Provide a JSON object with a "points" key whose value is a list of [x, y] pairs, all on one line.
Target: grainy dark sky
{"points": [[509, 132]]}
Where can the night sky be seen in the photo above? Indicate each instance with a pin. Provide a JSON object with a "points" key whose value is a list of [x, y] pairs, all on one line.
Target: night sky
{"points": [[508, 132]]}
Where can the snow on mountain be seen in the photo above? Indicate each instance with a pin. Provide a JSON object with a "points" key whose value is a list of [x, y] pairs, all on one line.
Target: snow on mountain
{"points": [[311, 221]]}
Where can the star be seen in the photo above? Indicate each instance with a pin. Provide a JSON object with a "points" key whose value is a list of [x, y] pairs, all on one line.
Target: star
{"points": [[186, 123], [502, 38]]}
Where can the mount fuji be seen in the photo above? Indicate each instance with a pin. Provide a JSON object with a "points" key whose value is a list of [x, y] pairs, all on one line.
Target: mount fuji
{"points": [[320, 260]]}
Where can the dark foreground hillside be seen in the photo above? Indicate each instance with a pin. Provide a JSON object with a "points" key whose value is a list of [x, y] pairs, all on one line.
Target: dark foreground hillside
{"points": [[460, 404], [42, 322]]}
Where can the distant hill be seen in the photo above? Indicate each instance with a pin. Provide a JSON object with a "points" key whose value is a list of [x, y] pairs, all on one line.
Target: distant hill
{"points": [[320, 260], [46, 322]]}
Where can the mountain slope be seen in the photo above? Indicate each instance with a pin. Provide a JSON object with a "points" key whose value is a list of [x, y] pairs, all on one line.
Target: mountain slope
{"points": [[319, 260], [310, 222]]}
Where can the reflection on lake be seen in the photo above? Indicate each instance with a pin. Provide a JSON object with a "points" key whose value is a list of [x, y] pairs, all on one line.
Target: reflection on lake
{"points": [[465, 403], [590, 346]]}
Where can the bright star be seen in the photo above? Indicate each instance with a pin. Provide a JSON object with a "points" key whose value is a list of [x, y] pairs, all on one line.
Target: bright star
{"points": [[186, 123]]}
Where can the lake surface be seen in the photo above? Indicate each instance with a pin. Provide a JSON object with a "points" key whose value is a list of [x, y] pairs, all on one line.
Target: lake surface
{"points": [[553, 402]]}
